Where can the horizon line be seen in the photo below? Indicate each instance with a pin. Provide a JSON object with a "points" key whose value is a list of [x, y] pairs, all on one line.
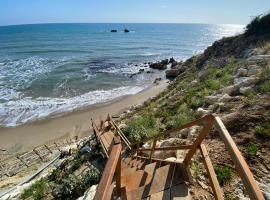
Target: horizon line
{"points": [[120, 23]]}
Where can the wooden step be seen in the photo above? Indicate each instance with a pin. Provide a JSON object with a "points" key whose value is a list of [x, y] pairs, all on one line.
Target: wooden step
{"points": [[177, 192], [135, 180], [162, 178], [128, 170], [150, 168]]}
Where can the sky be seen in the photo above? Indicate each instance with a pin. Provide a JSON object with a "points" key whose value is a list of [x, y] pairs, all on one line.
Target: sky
{"points": [[131, 11]]}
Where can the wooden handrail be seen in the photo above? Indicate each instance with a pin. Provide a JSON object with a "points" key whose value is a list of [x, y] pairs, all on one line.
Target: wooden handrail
{"points": [[120, 133], [98, 135], [211, 173], [112, 168], [174, 130], [179, 147], [241, 166]]}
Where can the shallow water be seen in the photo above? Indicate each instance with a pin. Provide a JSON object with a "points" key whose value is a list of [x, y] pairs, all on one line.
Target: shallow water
{"points": [[50, 69]]}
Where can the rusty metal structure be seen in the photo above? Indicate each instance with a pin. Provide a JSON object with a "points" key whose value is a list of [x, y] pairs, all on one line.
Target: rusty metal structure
{"points": [[134, 176]]}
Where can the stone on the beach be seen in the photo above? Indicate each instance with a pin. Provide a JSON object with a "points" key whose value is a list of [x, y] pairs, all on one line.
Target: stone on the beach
{"points": [[162, 65]]}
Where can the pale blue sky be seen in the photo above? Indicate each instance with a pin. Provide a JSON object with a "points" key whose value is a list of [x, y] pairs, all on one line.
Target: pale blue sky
{"points": [[126, 11]]}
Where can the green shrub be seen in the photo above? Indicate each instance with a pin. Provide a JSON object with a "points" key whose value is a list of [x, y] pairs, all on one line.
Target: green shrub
{"points": [[228, 196], [142, 127], [213, 84], [252, 149], [249, 93], [223, 174], [36, 191], [265, 86], [259, 25], [263, 131]]}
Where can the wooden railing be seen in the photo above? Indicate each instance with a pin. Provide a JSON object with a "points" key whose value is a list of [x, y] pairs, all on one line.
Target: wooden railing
{"points": [[111, 174], [207, 123]]}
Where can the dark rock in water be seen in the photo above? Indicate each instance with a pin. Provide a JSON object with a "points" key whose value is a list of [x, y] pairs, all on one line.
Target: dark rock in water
{"points": [[131, 76], [141, 70], [174, 64], [148, 72], [172, 60], [126, 30], [159, 65], [113, 31], [157, 80]]}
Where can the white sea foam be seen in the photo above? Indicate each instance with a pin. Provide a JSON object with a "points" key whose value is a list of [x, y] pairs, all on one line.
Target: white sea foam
{"points": [[13, 113]]}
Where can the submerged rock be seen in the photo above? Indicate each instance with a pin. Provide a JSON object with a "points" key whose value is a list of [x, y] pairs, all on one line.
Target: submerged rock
{"points": [[113, 31], [126, 30]]}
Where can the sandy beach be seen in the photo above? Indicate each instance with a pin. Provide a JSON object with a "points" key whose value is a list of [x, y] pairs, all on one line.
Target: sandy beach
{"points": [[27, 136]]}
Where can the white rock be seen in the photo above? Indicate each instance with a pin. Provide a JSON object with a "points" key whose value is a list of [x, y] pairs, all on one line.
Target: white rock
{"points": [[202, 112], [245, 81], [212, 99], [241, 72], [231, 90], [254, 70], [243, 90]]}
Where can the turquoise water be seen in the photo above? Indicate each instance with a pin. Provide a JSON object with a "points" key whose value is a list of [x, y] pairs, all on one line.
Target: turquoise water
{"points": [[50, 69]]}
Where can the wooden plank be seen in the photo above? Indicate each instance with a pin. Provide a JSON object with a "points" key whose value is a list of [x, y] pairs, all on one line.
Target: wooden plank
{"points": [[246, 175], [108, 174], [163, 195], [179, 147], [207, 127], [153, 148], [211, 173]]}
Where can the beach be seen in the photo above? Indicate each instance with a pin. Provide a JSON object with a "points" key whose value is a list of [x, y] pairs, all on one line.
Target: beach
{"points": [[77, 123]]}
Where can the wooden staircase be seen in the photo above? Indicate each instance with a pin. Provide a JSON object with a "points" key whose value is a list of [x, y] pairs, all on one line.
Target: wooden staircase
{"points": [[141, 179], [130, 176]]}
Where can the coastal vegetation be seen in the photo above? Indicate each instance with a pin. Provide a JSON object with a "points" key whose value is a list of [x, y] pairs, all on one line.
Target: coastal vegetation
{"points": [[232, 79]]}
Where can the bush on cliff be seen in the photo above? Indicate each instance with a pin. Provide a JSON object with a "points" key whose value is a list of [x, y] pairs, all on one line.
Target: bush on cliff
{"points": [[259, 25]]}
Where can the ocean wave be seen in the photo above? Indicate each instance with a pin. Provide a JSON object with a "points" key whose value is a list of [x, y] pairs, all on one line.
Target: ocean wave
{"points": [[13, 113]]}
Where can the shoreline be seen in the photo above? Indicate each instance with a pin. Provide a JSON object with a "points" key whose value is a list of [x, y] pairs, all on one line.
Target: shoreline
{"points": [[27, 136]]}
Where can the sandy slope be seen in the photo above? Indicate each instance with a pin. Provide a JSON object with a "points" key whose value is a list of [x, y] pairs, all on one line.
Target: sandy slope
{"points": [[26, 136]]}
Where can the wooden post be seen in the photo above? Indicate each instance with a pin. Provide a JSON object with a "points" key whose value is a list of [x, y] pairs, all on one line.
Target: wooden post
{"points": [[118, 177], [4, 171], [48, 148], [207, 127], [241, 166], [211, 173], [153, 149], [36, 152], [57, 146], [19, 158]]}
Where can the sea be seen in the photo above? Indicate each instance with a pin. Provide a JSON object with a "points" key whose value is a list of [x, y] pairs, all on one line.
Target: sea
{"points": [[47, 70]]}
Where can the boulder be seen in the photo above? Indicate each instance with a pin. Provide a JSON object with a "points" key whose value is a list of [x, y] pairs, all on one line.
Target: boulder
{"points": [[202, 112], [113, 31], [159, 65], [245, 81], [172, 73], [126, 30], [254, 70], [242, 72], [232, 90], [172, 60]]}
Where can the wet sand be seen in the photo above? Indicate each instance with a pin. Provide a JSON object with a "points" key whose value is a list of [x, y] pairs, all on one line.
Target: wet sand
{"points": [[27, 136]]}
